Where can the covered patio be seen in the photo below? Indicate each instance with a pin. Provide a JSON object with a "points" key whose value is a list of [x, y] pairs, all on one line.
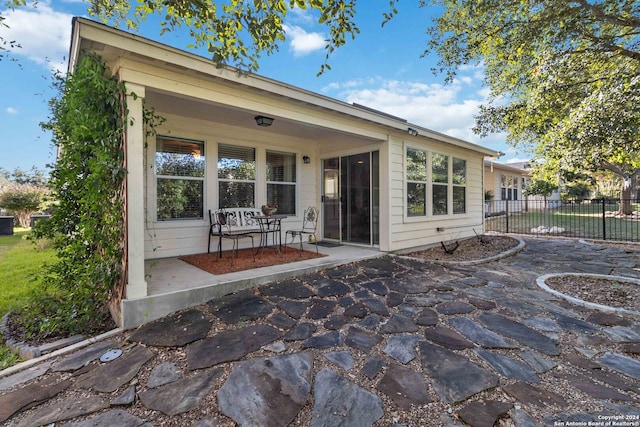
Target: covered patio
{"points": [[174, 284], [228, 140]]}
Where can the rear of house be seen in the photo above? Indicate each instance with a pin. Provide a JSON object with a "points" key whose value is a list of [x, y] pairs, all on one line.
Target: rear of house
{"points": [[377, 180]]}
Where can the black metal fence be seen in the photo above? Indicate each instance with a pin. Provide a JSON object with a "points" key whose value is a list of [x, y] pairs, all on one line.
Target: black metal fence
{"points": [[601, 219]]}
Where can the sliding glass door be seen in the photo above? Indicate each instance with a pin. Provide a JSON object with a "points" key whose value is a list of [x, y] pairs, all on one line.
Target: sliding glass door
{"points": [[351, 198]]}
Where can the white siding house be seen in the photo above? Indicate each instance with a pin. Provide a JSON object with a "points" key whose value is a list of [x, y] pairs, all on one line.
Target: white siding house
{"points": [[508, 182], [377, 180]]}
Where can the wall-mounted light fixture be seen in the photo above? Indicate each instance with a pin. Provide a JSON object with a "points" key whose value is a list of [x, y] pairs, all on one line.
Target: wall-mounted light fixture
{"points": [[306, 159], [412, 131], [263, 121]]}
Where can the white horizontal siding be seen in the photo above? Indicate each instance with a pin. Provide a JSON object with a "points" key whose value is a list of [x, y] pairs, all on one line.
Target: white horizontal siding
{"points": [[182, 237], [417, 232]]}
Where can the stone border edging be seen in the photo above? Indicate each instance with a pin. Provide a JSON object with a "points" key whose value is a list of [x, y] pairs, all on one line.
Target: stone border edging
{"points": [[540, 281], [31, 362], [520, 246], [607, 242], [24, 350]]}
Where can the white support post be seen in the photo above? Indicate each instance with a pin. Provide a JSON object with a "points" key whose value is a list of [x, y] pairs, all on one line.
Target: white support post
{"points": [[136, 284]]}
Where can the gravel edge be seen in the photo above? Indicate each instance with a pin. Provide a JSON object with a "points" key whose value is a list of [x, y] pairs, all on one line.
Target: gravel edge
{"points": [[540, 281], [31, 362], [519, 247]]}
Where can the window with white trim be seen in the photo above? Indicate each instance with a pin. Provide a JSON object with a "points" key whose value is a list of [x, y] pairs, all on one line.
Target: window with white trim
{"points": [[440, 183], [508, 187], [459, 189], [236, 176], [416, 175], [180, 171], [281, 181]]}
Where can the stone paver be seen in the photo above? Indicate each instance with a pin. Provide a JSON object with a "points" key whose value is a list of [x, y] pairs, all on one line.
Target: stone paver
{"points": [[339, 402], [267, 391], [484, 414], [175, 330], [192, 391], [530, 395], [342, 359], [448, 338], [455, 377], [519, 332], [112, 375], [508, 367], [30, 395], [240, 307], [62, 411], [624, 364], [164, 373], [229, 345], [479, 335], [402, 347], [83, 357], [362, 344], [404, 387]]}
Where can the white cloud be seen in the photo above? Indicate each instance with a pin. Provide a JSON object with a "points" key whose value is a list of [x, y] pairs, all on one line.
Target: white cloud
{"points": [[43, 33], [303, 16], [448, 109], [11, 110], [303, 42]]}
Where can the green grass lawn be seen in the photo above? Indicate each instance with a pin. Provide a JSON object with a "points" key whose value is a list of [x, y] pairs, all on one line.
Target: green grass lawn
{"points": [[20, 263], [583, 221]]}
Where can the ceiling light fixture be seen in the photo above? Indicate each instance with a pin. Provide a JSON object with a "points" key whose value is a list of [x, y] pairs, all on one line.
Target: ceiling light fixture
{"points": [[263, 121]]}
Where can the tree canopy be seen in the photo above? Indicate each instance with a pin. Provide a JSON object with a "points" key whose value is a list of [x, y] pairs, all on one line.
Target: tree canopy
{"points": [[564, 76], [234, 32]]}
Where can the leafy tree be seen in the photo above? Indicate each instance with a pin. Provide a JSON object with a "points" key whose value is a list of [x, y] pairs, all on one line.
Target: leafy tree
{"points": [[234, 32], [23, 200], [34, 176], [578, 189], [4, 177], [540, 187], [564, 76]]}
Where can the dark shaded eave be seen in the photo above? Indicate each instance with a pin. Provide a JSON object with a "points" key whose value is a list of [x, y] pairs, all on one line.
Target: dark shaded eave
{"points": [[177, 57]]}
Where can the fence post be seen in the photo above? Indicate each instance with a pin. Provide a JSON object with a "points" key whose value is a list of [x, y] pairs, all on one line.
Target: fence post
{"points": [[604, 220], [506, 213]]}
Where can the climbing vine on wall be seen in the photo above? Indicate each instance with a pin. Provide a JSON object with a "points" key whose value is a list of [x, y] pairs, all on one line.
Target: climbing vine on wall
{"points": [[87, 120]]}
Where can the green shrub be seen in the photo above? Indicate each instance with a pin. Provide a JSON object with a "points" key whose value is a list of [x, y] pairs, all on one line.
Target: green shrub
{"points": [[23, 200], [87, 227]]}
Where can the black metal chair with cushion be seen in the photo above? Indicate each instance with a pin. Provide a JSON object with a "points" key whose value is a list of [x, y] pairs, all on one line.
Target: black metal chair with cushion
{"points": [[222, 225], [309, 227]]}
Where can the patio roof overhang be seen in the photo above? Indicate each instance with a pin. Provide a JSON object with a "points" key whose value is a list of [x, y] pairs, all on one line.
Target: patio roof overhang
{"points": [[298, 112]]}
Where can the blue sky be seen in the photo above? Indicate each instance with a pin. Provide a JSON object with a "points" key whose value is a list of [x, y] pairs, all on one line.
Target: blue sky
{"points": [[382, 69]]}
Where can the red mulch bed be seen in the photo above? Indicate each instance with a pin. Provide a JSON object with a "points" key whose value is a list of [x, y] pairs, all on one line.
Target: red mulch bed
{"points": [[244, 260]]}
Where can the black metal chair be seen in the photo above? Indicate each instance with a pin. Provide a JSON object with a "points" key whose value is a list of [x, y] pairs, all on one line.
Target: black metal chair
{"points": [[309, 227], [221, 225]]}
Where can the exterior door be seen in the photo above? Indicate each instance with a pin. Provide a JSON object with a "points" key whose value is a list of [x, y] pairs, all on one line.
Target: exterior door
{"points": [[331, 198], [350, 198]]}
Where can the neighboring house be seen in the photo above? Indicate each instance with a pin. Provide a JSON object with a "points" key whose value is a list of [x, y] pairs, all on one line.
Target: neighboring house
{"points": [[508, 182], [552, 200], [377, 180]]}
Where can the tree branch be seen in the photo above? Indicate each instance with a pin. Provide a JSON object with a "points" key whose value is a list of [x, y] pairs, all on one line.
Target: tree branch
{"points": [[597, 11]]}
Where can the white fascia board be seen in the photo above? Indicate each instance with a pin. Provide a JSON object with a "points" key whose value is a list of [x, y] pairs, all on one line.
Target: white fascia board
{"points": [[505, 167], [126, 42]]}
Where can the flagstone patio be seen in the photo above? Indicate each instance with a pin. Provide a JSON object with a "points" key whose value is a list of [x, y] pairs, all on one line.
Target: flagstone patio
{"points": [[387, 341]]}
